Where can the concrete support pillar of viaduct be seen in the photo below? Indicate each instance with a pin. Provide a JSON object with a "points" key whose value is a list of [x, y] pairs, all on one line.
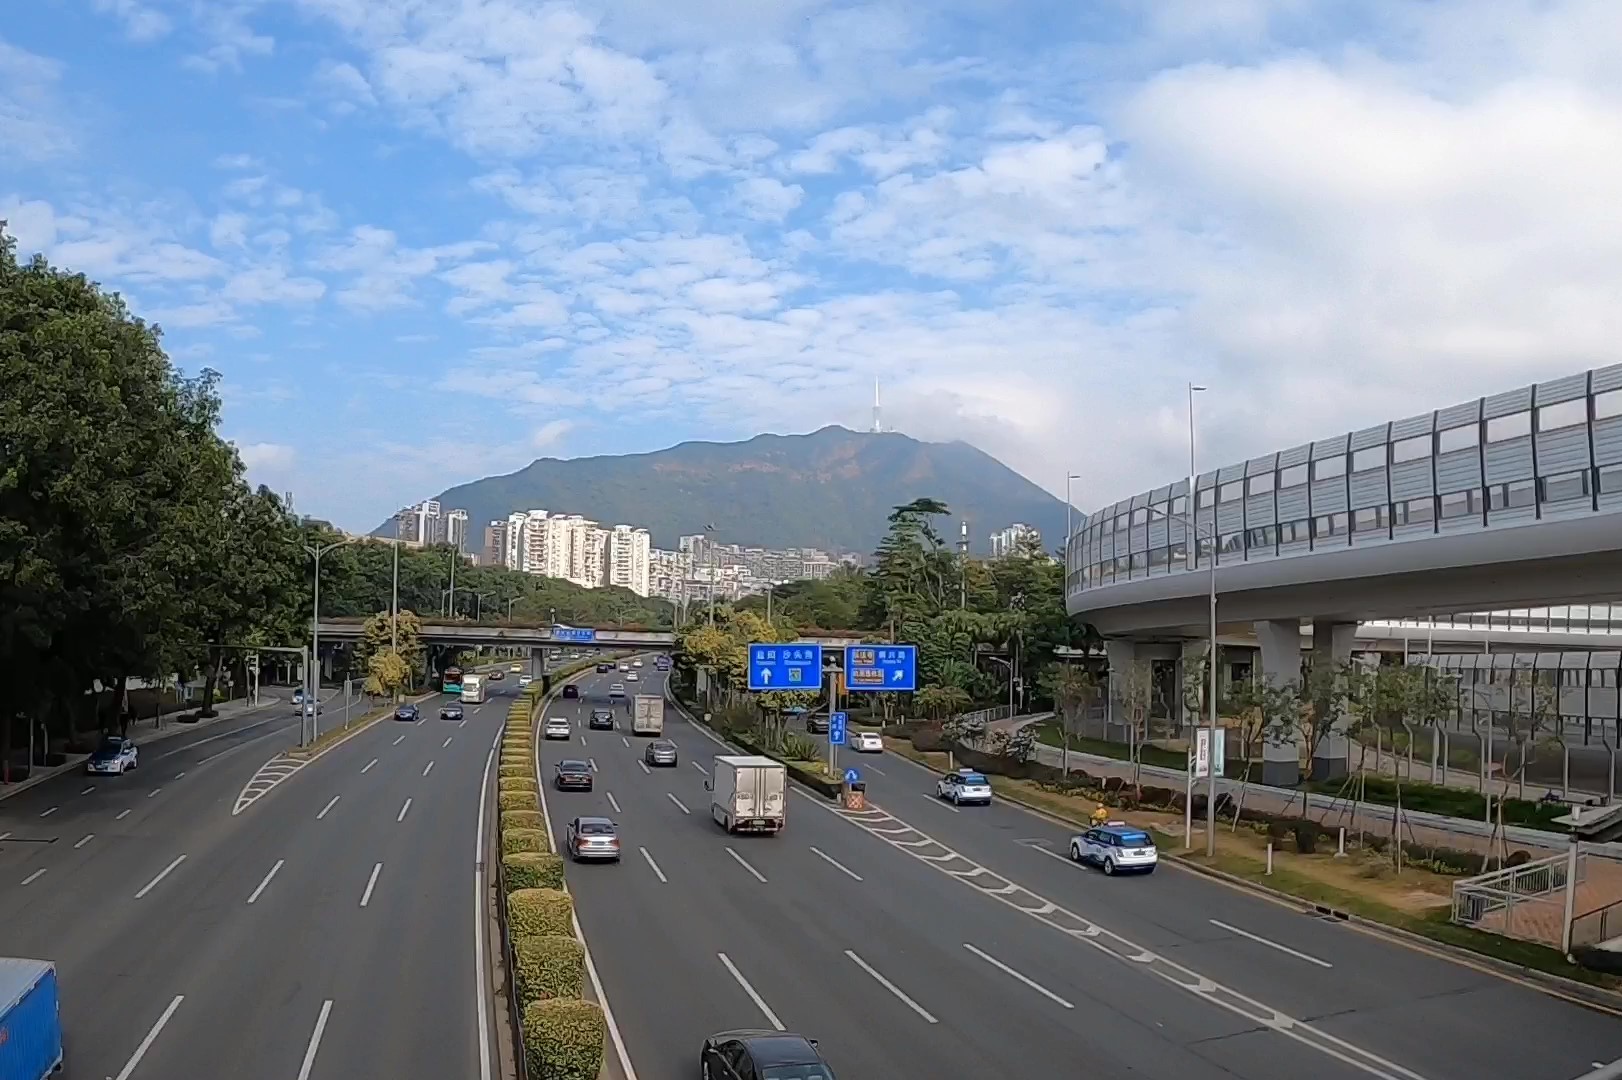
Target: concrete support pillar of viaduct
{"points": [[1122, 653], [1281, 663], [1331, 648]]}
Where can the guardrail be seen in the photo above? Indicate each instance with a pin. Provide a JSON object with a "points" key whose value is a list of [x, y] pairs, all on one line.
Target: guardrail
{"points": [[1598, 926], [1489, 902]]}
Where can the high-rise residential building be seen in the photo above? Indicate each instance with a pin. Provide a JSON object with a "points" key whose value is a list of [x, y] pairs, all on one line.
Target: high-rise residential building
{"points": [[629, 552], [588, 554], [430, 523], [667, 572], [456, 529], [495, 544], [513, 555], [1010, 540]]}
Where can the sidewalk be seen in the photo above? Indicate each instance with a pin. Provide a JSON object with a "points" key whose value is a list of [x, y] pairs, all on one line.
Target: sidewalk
{"points": [[143, 732]]}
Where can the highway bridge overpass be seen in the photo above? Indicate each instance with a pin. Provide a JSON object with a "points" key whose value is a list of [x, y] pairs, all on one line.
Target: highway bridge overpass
{"points": [[503, 634]]}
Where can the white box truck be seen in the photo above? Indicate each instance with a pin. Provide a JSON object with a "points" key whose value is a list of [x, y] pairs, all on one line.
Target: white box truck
{"points": [[748, 793], [648, 715]]}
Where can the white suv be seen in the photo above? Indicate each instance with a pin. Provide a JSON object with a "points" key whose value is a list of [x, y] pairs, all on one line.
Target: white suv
{"points": [[1116, 847], [964, 786], [555, 727]]}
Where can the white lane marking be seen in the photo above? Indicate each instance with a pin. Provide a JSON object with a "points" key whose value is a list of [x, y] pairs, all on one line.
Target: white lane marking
{"points": [[614, 803], [874, 768], [122, 814], [893, 988], [959, 866], [330, 804], [658, 873], [459, 727], [626, 741], [447, 741], [482, 980], [1005, 969], [179, 774], [398, 741], [261, 886], [83, 840], [1271, 944], [404, 807], [88, 790], [644, 766], [940, 802], [368, 767], [679, 804], [582, 740], [153, 792], [315, 1040], [270, 774], [593, 763], [165, 872], [151, 1037], [835, 863], [421, 720], [48, 813], [699, 767], [35, 876], [5, 836], [428, 768], [740, 861], [371, 883], [760, 1003]]}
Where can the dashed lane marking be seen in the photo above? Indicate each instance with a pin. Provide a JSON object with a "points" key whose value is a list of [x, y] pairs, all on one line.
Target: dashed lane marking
{"points": [[270, 774]]}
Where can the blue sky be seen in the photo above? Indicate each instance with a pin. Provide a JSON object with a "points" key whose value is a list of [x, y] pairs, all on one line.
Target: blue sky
{"points": [[429, 240]]}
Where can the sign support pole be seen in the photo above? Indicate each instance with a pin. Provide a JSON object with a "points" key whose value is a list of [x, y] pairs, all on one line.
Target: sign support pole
{"points": [[833, 751]]}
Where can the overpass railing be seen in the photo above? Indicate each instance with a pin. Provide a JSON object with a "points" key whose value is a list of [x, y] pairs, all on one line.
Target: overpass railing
{"points": [[1518, 901]]}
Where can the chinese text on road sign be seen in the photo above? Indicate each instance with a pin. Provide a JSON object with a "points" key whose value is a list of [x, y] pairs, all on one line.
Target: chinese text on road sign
{"points": [[881, 667], [792, 666]]}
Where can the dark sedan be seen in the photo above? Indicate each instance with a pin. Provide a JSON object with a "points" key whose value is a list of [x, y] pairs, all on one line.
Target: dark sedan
{"points": [[451, 711], [572, 776], [571, 691], [816, 725], [755, 1054], [660, 752], [407, 711], [604, 668], [602, 719], [496, 675]]}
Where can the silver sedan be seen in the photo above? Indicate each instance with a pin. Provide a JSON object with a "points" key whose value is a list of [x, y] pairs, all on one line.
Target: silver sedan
{"points": [[660, 752]]}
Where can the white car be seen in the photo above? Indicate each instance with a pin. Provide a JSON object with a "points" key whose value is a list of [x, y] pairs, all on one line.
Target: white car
{"points": [[525, 680], [868, 742], [114, 757], [1116, 847], [616, 690], [630, 676], [636, 663], [964, 787], [556, 727]]}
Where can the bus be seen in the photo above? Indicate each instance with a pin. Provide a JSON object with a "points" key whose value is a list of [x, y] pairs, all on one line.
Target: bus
{"points": [[452, 683], [472, 690]]}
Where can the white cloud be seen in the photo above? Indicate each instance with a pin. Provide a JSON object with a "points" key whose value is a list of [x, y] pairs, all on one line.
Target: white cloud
{"points": [[550, 434], [31, 119], [141, 23], [266, 457], [768, 199]]}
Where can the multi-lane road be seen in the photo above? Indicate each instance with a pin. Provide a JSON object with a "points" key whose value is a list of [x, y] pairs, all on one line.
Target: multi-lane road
{"points": [[922, 940], [327, 930]]}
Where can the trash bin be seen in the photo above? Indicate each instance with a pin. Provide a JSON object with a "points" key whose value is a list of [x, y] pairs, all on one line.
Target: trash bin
{"points": [[855, 795]]}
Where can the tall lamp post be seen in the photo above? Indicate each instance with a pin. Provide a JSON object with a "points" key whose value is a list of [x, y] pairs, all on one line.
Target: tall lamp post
{"points": [[709, 551], [478, 604], [1069, 526], [510, 604], [312, 697], [1211, 658], [394, 603]]}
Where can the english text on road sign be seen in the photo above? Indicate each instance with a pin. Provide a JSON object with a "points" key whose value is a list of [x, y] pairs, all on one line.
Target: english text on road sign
{"points": [[836, 728], [852, 776], [790, 666], [573, 633], [881, 667]]}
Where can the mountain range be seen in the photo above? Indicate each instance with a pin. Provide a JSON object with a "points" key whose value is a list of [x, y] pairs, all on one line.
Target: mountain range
{"points": [[830, 489]]}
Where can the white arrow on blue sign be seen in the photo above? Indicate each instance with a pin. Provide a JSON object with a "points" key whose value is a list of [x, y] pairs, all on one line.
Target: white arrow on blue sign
{"points": [[871, 668], [790, 665], [852, 776], [836, 728]]}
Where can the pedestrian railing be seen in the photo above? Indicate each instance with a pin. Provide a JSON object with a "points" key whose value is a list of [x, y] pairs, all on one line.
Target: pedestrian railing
{"points": [[1598, 926], [1518, 901]]}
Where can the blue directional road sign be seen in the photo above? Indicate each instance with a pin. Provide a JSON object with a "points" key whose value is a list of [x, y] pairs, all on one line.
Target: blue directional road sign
{"points": [[836, 728], [791, 666], [852, 776], [573, 633], [871, 668]]}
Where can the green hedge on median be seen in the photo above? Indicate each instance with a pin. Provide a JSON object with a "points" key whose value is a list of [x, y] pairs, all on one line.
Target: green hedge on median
{"points": [[516, 783], [548, 966], [517, 768], [514, 841], [522, 819], [518, 800], [532, 870], [563, 1040], [540, 911]]}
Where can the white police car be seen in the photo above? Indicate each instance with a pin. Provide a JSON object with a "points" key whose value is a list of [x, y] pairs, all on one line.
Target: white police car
{"points": [[964, 787], [1116, 847]]}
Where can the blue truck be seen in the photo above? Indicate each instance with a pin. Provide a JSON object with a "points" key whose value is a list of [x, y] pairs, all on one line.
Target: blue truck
{"points": [[30, 1025]]}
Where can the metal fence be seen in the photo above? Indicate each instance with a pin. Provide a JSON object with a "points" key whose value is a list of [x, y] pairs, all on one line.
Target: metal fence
{"points": [[1598, 926], [1525, 902]]}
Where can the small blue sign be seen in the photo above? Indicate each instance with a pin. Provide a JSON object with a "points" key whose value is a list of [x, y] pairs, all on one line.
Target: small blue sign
{"points": [[789, 666], [836, 728], [873, 668], [573, 633], [852, 776]]}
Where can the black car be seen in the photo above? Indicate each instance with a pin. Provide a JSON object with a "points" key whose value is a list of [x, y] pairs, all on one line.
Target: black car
{"points": [[496, 675], [602, 720], [603, 668], [571, 691], [816, 725], [451, 711], [573, 776], [756, 1054], [406, 712]]}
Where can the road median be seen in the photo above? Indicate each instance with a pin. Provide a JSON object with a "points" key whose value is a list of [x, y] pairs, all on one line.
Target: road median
{"points": [[336, 736]]}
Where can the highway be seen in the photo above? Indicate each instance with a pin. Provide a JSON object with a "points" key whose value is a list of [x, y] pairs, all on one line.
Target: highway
{"points": [[921, 940], [325, 931]]}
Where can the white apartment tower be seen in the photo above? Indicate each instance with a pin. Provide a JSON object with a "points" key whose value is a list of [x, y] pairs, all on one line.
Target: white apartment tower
{"points": [[513, 541], [629, 554], [456, 529]]}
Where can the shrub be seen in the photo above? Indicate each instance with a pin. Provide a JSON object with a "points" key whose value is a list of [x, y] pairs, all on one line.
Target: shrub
{"points": [[514, 841], [548, 966], [563, 1040], [540, 911], [517, 768], [522, 819], [532, 870], [929, 740], [517, 744], [516, 783], [1518, 857], [1306, 837], [518, 800]]}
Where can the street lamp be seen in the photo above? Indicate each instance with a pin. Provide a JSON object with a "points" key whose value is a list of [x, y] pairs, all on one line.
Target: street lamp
{"points": [[709, 551], [478, 604], [1069, 526], [510, 604], [312, 700], [394, 603]]}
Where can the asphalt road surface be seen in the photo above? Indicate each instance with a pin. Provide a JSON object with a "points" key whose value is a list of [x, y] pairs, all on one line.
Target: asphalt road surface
{"points": [[921, 940], [326, 931]]}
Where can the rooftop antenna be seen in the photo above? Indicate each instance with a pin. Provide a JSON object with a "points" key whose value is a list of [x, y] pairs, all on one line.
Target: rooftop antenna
{"points": [[878, 422]]}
